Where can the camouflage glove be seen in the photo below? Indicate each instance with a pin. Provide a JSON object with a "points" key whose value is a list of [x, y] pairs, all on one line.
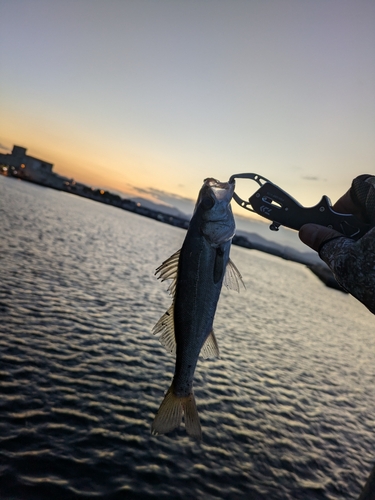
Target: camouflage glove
{"points": [[352, 262]]}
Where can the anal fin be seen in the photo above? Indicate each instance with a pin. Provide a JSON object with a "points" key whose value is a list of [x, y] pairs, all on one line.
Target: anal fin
{"points": [[210, 349]]}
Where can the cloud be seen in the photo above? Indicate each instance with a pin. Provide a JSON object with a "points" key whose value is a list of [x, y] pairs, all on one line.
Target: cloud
{"points": [[164, 195], [185, 205], [313, 178], [170, 202], [8, 150]]}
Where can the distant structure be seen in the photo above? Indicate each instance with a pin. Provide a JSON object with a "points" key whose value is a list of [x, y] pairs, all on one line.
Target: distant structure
{"points": [[19, 164], [22, 166], [27, 165]]}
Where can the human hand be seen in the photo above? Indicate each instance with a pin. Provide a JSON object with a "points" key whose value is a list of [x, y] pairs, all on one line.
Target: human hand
{"points": [[352, 262]]}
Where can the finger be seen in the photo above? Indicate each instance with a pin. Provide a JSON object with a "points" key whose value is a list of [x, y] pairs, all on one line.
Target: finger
{"points": [[345, 205], [314, 235], [360, 199]]}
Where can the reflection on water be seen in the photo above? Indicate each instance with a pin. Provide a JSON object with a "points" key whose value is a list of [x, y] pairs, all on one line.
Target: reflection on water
{"points": [[287, 412]]}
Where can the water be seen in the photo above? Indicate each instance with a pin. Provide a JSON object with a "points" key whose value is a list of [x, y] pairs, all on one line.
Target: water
{"points": [[288, 412]]}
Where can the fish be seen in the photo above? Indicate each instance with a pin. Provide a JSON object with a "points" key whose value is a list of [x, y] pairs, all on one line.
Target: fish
{"points": [[197, 272]]}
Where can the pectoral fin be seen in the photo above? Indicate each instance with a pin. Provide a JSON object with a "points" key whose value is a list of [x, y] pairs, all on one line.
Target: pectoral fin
{"points": [[233, 278], [218, 265]]}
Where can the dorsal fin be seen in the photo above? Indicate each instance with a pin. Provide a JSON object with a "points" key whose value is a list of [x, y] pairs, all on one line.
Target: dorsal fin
{"points": [[233, 278], [165, 328], [168, 271]]}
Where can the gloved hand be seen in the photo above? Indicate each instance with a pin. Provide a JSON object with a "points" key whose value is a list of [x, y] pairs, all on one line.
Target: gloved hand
{"points": [[352, 262]]}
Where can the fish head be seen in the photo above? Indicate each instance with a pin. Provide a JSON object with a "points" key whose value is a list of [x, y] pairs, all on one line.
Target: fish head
{"points": [[214, 211]]}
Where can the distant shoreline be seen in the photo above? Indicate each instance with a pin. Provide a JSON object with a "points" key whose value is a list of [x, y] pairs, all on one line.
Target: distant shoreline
{"points": [[101, 196]]}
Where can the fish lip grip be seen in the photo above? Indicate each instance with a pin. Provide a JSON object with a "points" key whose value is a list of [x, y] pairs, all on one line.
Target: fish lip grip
{"points": [[276, 205]]}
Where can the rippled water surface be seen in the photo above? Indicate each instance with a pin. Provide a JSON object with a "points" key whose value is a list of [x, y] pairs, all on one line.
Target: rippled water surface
{"points": [[288, 412]]}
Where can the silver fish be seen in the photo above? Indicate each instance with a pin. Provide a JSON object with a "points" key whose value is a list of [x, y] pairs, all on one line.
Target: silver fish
{"points": [[197, 272]]}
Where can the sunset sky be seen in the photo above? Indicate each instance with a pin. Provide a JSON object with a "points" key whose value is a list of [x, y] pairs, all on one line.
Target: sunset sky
{"points": [[152, 96]]}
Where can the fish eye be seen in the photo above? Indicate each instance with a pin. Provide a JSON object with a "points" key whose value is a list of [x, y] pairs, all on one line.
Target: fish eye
{"points": [[207, 202]]}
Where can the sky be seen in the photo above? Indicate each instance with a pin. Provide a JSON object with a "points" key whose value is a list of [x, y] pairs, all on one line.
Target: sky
{"points": [[149, 97]]}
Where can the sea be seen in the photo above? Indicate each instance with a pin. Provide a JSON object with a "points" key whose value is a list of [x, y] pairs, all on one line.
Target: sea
{"points": [[287, 412]]}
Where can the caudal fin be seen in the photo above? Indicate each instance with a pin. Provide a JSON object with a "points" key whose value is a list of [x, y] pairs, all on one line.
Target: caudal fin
{"points": [[170, 413]]}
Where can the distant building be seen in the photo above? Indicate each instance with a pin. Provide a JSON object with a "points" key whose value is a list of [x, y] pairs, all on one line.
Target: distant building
{"points": [[19, 164], [20, 160]]}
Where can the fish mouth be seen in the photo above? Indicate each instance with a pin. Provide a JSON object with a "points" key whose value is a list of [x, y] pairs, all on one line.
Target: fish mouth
{"points": [[216, 218], [214, 198], [223, 191]]}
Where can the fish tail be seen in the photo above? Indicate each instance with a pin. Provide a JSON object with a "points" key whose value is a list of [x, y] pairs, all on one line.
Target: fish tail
{"points": [[170, 413], [192, 423]]}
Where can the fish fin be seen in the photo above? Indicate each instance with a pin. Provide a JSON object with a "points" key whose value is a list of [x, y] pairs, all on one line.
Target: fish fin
{"points": [[168, 271], [165, 327], [192, 423], [170, 413], [218, 265], [233, 278], [210, 348]]}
